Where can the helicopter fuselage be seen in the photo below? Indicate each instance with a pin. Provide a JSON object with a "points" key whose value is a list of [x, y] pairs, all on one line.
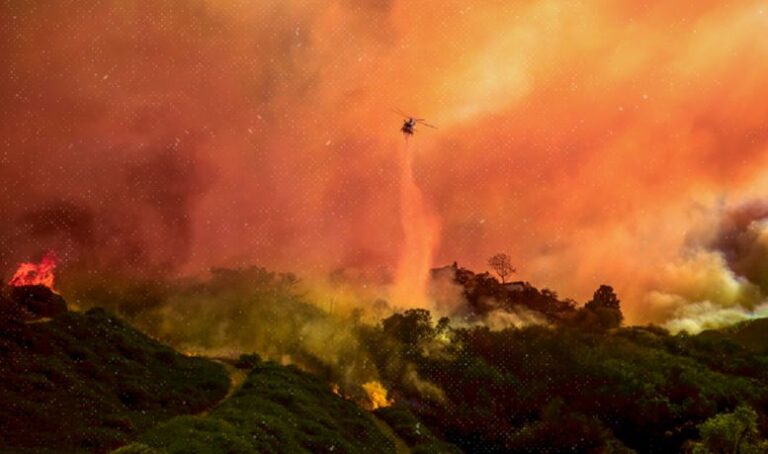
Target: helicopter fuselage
{"points": [[408, 126]]}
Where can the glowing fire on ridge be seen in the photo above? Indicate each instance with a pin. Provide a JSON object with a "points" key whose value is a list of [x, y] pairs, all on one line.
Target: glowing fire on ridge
{"points": [[29, 273], [377, 395]]}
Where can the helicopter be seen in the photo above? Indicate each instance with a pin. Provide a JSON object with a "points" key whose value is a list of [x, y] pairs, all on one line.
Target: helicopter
{"points": [[410, 122]]}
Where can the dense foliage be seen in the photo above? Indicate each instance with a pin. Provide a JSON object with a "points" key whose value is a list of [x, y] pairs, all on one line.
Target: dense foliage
{"points": [[89, 382], [277, 409], [570, 387], [417, 436], [731, 432], [565, 379]]}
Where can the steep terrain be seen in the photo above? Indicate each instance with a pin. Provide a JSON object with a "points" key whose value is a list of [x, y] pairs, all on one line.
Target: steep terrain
{"points": [[277, 409], [89, 382], [573, 381], [573, 387]]}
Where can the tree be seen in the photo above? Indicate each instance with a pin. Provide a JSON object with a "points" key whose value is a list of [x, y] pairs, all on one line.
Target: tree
{"points": [[728, 433], [604, 309], [604, 297], [411, 327], [502, 265]]}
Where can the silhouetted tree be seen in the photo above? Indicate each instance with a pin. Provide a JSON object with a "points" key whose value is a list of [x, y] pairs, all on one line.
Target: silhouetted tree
{"points": [[604, 297], [502, 265], [411, 327], [606, 307]]}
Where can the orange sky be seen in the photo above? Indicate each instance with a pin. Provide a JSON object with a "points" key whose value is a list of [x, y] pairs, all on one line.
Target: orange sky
{"points": [[594, 141]]}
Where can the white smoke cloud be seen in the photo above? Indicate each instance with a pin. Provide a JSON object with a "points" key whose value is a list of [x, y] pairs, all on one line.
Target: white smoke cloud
{"points": [[516, 317], [716, 283], [697, 317]]}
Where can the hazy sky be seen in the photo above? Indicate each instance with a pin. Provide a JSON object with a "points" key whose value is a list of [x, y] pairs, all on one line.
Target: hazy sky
{"points": [[594, 141]]}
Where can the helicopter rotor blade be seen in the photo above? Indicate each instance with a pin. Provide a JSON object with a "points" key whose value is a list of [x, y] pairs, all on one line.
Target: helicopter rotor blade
{"points": [[401, 113], [422, 122]]}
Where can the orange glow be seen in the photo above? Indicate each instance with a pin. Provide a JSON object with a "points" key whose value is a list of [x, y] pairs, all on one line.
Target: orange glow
{"points": [[421, 228], [41, 273], [377, 395], [590, 140]]}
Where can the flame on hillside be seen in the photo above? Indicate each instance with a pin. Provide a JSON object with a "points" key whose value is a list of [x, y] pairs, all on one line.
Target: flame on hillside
{"points": [[42, 273], [377, 395]]}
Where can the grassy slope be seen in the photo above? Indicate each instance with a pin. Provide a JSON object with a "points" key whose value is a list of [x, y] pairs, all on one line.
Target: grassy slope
{"points": [[89, 382], [277, 409]]}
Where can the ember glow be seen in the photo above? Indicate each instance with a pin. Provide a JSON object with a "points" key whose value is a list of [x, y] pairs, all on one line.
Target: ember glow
{"points": [[377, 395], [596, 142], [31, 273]]}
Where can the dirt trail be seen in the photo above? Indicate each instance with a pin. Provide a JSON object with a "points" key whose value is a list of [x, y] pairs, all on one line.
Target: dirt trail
{"points": [[236, 379], [238, 376]]}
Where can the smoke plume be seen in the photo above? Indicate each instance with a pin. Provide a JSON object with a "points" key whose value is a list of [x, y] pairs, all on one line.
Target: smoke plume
{"points": [[720, 280], [421, 231], [591, 138]]}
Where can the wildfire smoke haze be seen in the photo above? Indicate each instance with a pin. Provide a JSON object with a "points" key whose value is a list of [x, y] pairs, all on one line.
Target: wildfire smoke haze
{"points": [[384, 226], [421, 230], [599, 141]]}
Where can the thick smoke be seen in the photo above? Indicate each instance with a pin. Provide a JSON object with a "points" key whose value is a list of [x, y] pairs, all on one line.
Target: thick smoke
{"points": [[742, 239], [140, 225], [172, 137], [721, 280], [147, 142], [164, 138]]}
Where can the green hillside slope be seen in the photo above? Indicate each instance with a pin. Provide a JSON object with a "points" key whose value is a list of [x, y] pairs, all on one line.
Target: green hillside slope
{"points": [[89, 382], [278, 409]]}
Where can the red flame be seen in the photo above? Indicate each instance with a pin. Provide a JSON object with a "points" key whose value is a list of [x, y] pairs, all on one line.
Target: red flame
{"points": [[36, 273]]}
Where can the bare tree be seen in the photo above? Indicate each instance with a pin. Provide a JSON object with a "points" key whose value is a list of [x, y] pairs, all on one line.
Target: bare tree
{"points": [[502, 264]]}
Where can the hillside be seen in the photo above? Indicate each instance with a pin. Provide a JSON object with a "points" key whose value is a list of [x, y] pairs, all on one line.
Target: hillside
{"points": [[89, 382], [480, 295], [277, 409], [566, 388]]}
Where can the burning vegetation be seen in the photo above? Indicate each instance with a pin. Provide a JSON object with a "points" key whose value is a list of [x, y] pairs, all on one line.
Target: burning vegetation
{"points": [[41, 273], [143, 142], [492, 366], [377, 395], [31, 294]]}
